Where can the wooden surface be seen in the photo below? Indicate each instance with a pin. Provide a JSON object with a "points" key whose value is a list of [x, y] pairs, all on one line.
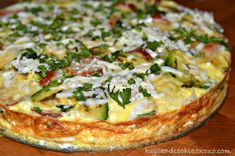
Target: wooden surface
{"points": [[218, 133]]}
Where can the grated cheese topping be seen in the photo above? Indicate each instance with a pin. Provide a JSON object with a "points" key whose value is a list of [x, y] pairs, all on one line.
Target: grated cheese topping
{"points": [[101, 52]]}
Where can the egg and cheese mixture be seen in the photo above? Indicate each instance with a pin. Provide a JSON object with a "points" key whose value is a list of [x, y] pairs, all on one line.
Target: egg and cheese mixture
{"points": [[107, 60]]}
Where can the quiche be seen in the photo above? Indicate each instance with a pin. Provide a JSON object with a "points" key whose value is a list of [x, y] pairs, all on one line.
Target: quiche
{"points": [[108, 75]]}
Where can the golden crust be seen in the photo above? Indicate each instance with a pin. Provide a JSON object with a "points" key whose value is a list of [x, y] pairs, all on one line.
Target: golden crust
{"points": [[101, 135], [54, 134]]}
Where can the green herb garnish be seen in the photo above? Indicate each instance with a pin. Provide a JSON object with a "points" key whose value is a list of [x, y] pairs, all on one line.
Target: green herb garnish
{"points": [[109, 79], [96, 22], [154, 45], [155, 69], [87, 86], [85, 52], [151, 9], [34, 10], [78, 93], [140, 75], [131, 81], [37, 109], [121, 97], [105, 34], [30, 53], [128, 65], [190, 36], [111, 57], [144, 92]]}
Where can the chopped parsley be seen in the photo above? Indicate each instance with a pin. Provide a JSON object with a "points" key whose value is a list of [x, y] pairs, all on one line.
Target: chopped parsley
{"points": [[105, 34], [121, 97], [117, 32], [213, 39], [151, 9], [115, 2], [183, 33], [111, 57], [131, 81], [37, 109], [78, 93], [190, 36], [109, 79], [63, 26], [53, 62], [140, 14], [57, 23], [96, 22], [87, 86], [70, 56], [155, 69], [34, 10], [89, 34], [140, 75], [144, 92], [30, 53], [154, 45], [128, 65], [85, 52]]}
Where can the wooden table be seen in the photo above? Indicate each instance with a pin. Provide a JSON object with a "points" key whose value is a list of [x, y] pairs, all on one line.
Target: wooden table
{"points": [[218, 133]]}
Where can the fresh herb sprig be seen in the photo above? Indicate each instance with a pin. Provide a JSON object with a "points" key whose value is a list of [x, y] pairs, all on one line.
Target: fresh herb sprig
{"points": [[53, 62], [78, 93], [121, 97], [190, 36], [144, 92], [153, 45]]}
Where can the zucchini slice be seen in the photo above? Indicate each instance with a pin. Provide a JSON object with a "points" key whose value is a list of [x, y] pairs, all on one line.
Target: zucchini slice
{"points": [[177, 59], [48, 90]]}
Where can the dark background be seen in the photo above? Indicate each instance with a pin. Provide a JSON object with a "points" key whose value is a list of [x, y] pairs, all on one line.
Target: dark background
{"points": [[4, 3]]}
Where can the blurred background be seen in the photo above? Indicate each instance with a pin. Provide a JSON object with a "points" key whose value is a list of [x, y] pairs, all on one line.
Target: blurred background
{"points": [[4, 3]]}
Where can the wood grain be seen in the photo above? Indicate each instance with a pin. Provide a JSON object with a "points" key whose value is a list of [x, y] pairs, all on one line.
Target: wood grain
{"points": [[218, 133]]}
